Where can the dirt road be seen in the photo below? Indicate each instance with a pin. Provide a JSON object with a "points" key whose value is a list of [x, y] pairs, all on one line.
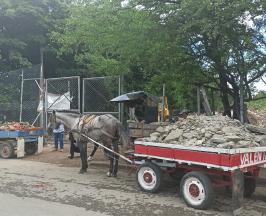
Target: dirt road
{"points": [[44, 189]]}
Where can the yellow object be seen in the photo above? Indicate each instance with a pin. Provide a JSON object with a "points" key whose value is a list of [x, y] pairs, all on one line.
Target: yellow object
{"points": [[163, 106]]}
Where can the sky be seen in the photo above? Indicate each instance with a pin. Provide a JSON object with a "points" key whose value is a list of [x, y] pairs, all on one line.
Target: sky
{"points": [[261, 85]]}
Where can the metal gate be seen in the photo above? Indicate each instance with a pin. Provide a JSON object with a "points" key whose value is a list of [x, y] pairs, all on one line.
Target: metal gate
{"points": [[30, 95], [97, 93], [63, 93]]}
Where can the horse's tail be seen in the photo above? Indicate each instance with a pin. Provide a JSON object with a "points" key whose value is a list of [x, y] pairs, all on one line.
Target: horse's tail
{"points": [[121, 132]]}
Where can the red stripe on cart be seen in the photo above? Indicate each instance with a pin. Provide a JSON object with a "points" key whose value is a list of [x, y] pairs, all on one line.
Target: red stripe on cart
{"points": [[225, 160]]}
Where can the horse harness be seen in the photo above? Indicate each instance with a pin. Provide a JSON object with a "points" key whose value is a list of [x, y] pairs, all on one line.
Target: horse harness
{"points": [[87, 119]]}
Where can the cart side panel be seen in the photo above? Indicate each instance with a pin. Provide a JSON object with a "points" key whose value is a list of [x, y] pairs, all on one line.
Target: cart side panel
{"points": [[203, 157], [184, 155], [248, 159], [141, 149], [160, 152]]}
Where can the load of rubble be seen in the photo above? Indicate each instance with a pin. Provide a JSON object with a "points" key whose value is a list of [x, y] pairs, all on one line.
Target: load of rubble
{"points": [[257, 117], [16, 126], [209, 131]]}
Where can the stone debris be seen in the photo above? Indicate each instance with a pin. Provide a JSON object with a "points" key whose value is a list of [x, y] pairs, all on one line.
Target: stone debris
{"points": [[209, 131]]}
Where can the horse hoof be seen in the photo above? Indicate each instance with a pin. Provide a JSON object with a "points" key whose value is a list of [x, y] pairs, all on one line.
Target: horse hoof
{"points": [[109, 174], [114, 175], [82, 171], [89, 158]]}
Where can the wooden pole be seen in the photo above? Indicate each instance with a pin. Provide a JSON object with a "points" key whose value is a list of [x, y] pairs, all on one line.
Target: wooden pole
{"points": [[241, 95], [198, 99], [237, 189], [110, 150], [163, 104]]}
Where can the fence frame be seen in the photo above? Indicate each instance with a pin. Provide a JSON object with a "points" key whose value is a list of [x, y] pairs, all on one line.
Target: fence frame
{"points": [[83, 95], [62, 78]]}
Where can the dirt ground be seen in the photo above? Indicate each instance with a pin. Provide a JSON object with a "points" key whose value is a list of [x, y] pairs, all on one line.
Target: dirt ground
{"points": [[51, 180], [254, 206]]}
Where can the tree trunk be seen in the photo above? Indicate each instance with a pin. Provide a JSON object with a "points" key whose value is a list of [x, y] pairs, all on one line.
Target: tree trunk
{"points": [[224, 94]]}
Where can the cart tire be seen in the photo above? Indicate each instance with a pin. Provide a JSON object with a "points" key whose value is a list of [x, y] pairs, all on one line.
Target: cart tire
{"points": [[31, 148], [196, 190], [6, 150], [149, 177]]}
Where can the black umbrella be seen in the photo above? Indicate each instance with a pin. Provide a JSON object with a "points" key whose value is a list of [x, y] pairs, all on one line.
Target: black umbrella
{"points": [[132, 96]]}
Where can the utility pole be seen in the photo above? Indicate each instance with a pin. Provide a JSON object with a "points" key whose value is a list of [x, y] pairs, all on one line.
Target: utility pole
{"points": [[21, 95]]}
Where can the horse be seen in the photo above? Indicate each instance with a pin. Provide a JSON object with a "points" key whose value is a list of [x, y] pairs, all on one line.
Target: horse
{"points": [[105, 129]]}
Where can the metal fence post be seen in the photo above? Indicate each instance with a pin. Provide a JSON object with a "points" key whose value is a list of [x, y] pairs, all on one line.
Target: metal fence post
{"points": [[21, 95]]}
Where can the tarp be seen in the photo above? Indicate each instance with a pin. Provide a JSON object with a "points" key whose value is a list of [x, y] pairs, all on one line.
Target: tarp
{"points": [[57, 102], [132, 96]]}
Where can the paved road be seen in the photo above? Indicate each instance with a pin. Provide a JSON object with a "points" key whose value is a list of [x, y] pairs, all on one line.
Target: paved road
{"points": [[42, 189]]}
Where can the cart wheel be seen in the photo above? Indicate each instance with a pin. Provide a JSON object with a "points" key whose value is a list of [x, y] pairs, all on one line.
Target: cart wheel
{"points": [[6, 150], [197, 191], [31, 148], [149, 177]]}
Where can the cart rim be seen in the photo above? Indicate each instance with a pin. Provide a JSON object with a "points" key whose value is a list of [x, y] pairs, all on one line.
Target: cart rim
{"points": [[5, 151], [147, 178], [194, 191]]}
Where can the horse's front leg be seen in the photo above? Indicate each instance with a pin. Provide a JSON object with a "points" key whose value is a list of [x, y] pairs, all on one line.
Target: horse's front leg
{"points": [[83, 156]]}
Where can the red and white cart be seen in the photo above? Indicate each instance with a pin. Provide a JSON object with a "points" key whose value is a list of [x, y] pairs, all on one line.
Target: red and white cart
{"points": [[200, 170]]}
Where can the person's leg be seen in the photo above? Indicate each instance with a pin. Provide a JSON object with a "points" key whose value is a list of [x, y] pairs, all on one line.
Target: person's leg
{"points": [[61, 140], [56, 140]]}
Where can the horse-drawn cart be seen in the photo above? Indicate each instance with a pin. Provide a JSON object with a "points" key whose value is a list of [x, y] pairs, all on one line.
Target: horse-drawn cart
{"points": [[200, 170], [23, 141]]}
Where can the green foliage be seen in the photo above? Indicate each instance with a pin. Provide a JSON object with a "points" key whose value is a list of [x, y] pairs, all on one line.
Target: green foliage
{"points": [[150, 42], [24, 25], [258, 104]]}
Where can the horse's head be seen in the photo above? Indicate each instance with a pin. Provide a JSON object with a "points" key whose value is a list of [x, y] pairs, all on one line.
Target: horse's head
{"points": [[52, 121]]}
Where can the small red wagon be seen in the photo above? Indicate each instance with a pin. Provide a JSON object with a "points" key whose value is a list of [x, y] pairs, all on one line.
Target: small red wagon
{"points": [[200, 170]]}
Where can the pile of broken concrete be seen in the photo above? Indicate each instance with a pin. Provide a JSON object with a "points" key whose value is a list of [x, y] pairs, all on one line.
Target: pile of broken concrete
{"points": [[209, 131]]}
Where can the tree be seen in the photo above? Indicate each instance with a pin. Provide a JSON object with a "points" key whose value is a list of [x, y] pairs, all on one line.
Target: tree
{"points": [[110, 39], [226, 37], [24, 28]]}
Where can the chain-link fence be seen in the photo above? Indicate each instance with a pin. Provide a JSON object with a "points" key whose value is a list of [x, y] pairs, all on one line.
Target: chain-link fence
{"points": [[21, 91], [63, 93], [30, 95], [97, 93], [17, 95], [10, 85]]}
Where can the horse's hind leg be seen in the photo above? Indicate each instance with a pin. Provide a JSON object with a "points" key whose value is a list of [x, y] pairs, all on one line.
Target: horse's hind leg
{"points": [[93, 152], [83, 157], [111, 167], [115, 168]]}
